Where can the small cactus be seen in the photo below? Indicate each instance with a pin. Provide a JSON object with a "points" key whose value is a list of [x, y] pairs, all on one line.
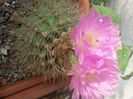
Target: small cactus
{"points": [[43, 39]]}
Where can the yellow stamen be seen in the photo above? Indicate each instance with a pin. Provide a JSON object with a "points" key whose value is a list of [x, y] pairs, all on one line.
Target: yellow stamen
{"points": [[90, 38], [89, 76]]}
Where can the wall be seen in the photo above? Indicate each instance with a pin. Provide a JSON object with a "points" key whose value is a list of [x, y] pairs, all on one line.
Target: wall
{"points": [[124, 9]]}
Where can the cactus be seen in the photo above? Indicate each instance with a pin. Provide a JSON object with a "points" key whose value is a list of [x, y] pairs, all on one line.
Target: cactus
{"points": [[43, 40]]}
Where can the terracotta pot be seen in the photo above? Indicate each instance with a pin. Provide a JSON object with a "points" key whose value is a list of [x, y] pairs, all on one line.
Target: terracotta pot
{"points": [[32, 88], [84, 6]]}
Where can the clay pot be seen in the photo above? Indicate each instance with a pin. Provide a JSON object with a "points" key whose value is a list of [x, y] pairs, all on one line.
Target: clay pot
{"points": [[32, 88]]}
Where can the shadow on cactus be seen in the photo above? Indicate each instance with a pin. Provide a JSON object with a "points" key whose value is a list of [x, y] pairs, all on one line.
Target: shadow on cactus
{"points": [[43, 38]]}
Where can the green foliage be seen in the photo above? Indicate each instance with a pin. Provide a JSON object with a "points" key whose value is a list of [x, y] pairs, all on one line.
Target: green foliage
{"points": [[73, 59], [124, 55], [127, 77], [42, 39], [99, 2], [108, 12]]}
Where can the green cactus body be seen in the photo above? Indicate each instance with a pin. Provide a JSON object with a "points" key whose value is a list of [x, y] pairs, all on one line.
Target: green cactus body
{"points": [[43, 40]]}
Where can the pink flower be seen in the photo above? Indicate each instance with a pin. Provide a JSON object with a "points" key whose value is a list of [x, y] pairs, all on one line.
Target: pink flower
{"points": [[95, 33], [95, 78]]}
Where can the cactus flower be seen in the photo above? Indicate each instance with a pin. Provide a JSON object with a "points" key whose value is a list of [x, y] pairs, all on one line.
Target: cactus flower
{"points": [[95, 33], [94, 78]]}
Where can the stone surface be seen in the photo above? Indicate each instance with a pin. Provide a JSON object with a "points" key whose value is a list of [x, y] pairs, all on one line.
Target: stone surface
{"points": [[124, 9], [3, 51], [6, 11]]}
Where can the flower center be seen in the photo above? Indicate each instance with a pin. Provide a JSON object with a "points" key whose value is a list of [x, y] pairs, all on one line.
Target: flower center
{"points": [[90, 39], [89, 75]]}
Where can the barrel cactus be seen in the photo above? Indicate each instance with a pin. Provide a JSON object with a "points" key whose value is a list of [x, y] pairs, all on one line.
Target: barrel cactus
{"points": [[43, 40]]}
